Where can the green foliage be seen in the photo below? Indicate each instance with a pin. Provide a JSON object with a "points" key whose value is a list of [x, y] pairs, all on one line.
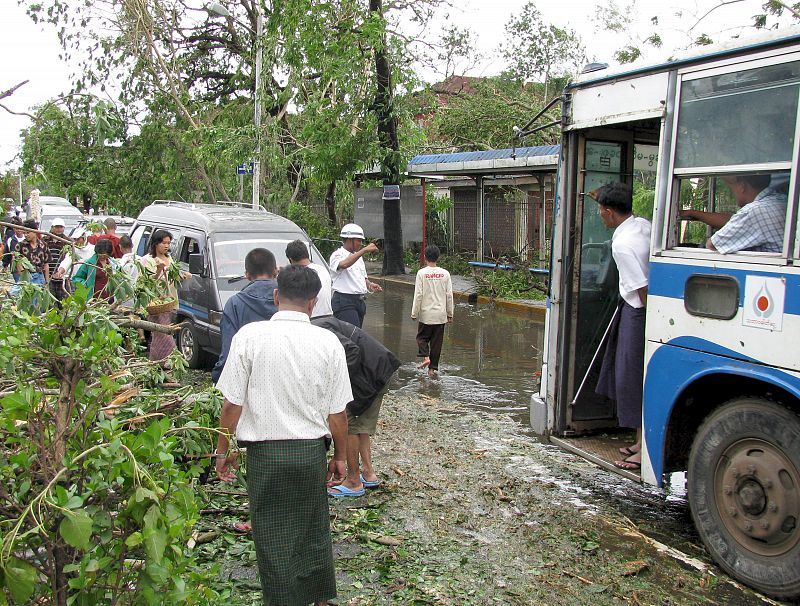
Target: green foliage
{"points": [[69, 148], [457, 265], [620, 20], [538, 50], [96, 499], [197, 122], [324, 235], [509, 284], [485, 118]]}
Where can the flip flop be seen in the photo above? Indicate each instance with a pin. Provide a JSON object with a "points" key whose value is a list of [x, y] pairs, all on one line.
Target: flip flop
{"points": [[344, 491], [242, 527], [628, 465], [370, 483], [626, 451]]}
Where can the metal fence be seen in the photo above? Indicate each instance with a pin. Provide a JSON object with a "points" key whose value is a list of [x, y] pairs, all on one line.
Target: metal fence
{"points": [[515, 223]]}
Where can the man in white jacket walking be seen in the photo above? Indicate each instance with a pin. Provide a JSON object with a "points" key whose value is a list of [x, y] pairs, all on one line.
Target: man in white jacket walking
{"points": [[433, 305]]}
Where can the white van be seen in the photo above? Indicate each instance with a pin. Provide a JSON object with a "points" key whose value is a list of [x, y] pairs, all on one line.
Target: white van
{"points": [[55, 207]]}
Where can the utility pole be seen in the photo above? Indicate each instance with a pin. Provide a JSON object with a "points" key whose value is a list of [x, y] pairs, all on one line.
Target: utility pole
{"points": [[257, 110]]}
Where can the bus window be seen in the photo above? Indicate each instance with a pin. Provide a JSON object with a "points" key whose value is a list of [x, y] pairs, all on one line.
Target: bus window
{"points": [[708, 205], [734, 146], [739, 118]]}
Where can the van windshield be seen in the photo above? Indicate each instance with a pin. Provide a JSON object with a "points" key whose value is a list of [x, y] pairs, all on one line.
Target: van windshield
{"points": [[231, 249]]}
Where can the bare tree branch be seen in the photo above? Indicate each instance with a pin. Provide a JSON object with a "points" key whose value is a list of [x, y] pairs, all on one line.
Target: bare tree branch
{"points": [[10, 111], [12, 90]]}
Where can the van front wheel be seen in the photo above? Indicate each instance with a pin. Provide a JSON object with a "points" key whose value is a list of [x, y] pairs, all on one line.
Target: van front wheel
{"points": [[189, 347], [744, 493]]}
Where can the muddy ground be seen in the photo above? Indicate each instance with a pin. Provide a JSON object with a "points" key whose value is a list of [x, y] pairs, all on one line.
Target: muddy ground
{"points": [[475, 512]]}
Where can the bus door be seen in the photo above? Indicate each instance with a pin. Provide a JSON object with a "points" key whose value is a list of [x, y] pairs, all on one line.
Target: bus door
{"points": [[593, 283], [605, 155]]}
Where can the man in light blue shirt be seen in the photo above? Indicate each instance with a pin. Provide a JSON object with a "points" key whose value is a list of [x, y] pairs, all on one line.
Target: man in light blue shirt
{"points": [[757, 226]]}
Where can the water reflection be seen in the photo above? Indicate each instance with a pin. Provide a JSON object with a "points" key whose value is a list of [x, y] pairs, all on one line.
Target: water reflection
{"points": [[490, 359]]}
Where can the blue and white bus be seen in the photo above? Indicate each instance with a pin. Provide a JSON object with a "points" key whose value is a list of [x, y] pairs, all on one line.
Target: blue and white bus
{"points": [[722, 355]]}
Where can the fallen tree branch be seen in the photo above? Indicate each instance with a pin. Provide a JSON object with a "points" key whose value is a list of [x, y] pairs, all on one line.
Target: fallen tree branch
{"points": [[167, 329]]}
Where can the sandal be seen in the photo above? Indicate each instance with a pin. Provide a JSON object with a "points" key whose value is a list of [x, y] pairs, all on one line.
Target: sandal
{"points": [[627, 451], [242, 527], [628, 465]]}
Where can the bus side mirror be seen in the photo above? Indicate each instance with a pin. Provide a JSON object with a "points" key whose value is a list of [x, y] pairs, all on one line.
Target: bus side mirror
{"points": [[197, 265]]}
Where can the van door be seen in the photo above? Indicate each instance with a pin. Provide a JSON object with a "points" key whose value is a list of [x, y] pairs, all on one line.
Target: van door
{"points": [[193, 293]]}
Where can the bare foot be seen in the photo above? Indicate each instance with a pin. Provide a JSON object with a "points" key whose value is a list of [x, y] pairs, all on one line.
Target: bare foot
{"points": [[425, 363]]}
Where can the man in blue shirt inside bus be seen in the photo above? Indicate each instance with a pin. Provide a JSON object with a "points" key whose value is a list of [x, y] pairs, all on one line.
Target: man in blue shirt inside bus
{"points": [[757, 226]]}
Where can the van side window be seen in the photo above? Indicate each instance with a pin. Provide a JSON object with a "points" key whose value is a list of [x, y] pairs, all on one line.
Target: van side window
{"points": [[190, 246], [141, 250], [733, 159]]}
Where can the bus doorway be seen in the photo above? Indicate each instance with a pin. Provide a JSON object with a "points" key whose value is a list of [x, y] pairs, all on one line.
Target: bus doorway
{"points": [[586, 421]]}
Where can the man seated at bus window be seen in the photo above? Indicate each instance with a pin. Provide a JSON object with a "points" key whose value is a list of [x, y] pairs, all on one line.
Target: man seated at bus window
{"points": [[757, 226]]}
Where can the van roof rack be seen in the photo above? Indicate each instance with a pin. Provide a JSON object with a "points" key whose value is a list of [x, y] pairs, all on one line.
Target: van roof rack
{"points": [[215, 203]]}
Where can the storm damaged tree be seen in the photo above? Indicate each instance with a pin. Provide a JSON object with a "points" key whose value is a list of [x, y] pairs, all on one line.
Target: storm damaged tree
{"points": [[95, 506], [537, 50], [391, 158]]}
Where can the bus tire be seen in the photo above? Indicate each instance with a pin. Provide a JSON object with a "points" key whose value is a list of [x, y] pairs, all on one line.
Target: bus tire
{"points": [[744, 493]]}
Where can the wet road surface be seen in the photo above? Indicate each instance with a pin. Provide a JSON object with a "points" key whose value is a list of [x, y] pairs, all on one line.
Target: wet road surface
{"points": [[491, 358], [491, 361]]}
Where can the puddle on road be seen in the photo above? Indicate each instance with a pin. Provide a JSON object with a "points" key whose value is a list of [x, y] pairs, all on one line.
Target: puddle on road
{"points": [[491, 358]]}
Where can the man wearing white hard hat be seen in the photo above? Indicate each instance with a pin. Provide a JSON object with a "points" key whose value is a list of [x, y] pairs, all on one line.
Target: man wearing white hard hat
{"points": [[350, 282]]}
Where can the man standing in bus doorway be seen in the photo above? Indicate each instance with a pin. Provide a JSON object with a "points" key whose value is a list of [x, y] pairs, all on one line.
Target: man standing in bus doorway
{"points": [[622, 372], [350, 282], [759, 223]]}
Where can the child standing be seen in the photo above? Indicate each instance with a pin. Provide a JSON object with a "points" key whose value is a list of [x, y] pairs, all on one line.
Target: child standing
{"points": [[433, 305]]}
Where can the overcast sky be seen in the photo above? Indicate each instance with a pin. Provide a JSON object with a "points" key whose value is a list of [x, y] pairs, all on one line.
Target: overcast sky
{"points": [[31, 52]]}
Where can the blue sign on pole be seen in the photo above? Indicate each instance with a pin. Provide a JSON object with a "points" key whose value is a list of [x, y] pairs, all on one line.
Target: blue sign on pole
{"points": [[244, 169]]}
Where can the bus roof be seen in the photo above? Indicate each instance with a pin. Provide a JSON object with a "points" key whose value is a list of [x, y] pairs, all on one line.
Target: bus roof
{"points": [[732, 47]]}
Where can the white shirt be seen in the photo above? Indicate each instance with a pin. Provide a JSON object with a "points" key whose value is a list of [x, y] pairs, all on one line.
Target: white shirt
{"points": [[78, 255], [323, 306], [351, 281], [128, 265], [288, 376], [433, 296], [630, 247]]}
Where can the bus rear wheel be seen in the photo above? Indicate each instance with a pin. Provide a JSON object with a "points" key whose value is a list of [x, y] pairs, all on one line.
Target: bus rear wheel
{"points": [[744, 493]]}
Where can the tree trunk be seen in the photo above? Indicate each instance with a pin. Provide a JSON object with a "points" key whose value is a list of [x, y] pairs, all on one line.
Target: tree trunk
{"points": [[330, 203], [390, 162]]}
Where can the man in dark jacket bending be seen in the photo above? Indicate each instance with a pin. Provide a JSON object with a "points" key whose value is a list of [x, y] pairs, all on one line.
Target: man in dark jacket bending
{"points": [[253, 303], [370, 366]]}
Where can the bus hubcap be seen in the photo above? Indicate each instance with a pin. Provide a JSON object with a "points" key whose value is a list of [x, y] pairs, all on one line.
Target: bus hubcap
{"points": [[759, 504]]}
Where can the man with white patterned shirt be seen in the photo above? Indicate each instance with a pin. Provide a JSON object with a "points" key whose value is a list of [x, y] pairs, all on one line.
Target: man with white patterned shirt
{"points": [[757, 226], [286, 387]]}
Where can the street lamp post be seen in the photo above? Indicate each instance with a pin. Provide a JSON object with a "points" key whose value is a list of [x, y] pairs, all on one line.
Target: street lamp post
{"points": [[218, 9]]}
